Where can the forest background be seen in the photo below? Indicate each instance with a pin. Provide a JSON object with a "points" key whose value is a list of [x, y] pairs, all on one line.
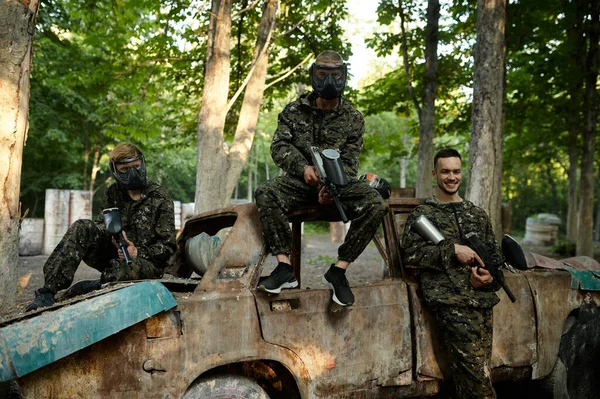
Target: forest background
{"points": [[141, 71]]}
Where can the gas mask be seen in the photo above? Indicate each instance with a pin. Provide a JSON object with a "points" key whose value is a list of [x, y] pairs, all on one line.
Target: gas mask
{"points": [[329, 81], [134, 178]]}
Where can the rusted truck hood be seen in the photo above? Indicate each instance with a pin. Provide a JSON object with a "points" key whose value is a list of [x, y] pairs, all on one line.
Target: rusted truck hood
{"points": [[585, 271], [33, 343]]}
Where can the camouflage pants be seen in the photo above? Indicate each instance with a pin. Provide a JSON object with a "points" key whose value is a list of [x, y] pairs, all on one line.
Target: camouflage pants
{"points": [[85, 241], [361, 203], [467, 337]]}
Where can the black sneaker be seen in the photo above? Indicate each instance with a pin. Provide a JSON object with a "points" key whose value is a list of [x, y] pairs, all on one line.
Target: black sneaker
{"points": [[281, 277], [43, 297], [336, 279]]}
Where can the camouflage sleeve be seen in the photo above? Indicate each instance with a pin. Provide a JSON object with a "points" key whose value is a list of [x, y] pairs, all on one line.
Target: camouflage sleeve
{"points": [[164, 233], [283, 152], [422, 254], [350, 151]]}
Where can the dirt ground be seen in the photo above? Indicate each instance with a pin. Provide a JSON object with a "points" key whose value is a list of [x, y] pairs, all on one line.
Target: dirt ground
{"points": [[317, 254]]}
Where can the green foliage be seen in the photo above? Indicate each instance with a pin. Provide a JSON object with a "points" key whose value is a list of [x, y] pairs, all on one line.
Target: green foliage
{"points": [[564, 249], [106, 71]]}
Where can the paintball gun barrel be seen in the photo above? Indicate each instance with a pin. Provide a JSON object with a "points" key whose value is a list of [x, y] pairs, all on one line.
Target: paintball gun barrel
{"points": [[511, 250], [114, 227], [330, 170]]}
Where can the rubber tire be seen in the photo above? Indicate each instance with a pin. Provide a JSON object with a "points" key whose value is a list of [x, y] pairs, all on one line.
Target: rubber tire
{"points": [[225, 387], [554, 386], [580, 353]]}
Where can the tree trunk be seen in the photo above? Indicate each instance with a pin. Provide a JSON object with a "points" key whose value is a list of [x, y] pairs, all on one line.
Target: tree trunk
{"points": [[219, 169], [586, 188], [572, 175], [427, 114], [212, 159], [484, 175], [250, 180], [17, 26], [244, 134], [575, 13], [553, 189]]}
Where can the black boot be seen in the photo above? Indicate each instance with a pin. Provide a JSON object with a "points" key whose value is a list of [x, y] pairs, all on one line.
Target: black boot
{"points": [[43, 297]]}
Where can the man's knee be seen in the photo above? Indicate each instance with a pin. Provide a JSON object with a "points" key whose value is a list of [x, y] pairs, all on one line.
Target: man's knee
{"points": [[84, 224], [377, 206]]}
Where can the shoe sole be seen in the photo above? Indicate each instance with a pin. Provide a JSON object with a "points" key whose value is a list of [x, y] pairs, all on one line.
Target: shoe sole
{"points": [[292, 284], [335, 298]]}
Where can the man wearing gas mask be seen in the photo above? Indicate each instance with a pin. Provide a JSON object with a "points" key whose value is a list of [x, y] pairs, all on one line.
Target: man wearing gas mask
{"points": [[148, 228], [326, 120]]}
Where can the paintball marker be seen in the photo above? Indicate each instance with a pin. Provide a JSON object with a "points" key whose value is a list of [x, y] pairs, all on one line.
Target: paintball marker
{"points": [[512, 252], [330, 170], [114, 227]]}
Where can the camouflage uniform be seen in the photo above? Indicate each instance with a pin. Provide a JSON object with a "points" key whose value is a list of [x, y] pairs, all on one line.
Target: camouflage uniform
{"points": [[463, 313], [149, 224], [301, 125]]}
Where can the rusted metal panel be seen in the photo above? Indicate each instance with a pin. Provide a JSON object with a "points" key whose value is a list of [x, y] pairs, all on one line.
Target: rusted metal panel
{"points": [[39, 341], [215, 330], [163, 325], [369, 342], [430, 358], [242, 249], [514, 342], [514, 339], [577, 262], [554, 300], [584, 279]]}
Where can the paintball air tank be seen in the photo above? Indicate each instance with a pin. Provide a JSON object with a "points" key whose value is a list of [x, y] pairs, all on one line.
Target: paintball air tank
{"points": [[330, 170]]}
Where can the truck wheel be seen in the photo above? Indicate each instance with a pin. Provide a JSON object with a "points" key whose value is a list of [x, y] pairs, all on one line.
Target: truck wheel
{"points": [[225, 387], [580, 352], [554, 386]]}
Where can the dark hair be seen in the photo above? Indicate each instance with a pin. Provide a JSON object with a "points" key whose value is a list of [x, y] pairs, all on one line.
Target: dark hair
{"points": [[446, 153]]}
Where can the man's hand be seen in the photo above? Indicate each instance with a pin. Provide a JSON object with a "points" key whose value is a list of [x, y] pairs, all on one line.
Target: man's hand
{"points": [[480, 277], [324, 197], [467, 256], [131, 249], [310, 176]]}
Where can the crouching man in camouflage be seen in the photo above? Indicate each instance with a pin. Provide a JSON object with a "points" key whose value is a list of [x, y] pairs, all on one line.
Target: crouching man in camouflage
{"points": [[459, 294], [148, 227], [323, 119]]}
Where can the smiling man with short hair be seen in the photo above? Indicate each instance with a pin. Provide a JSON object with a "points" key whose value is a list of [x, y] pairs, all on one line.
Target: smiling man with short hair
{"points": [[455, 284]]}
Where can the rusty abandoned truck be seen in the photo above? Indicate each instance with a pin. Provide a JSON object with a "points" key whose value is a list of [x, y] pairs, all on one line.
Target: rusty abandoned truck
{"points": [[217, 337]]}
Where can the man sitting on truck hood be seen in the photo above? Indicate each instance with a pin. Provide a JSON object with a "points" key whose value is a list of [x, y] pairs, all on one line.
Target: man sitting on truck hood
{"points": [[148, 228], [323, 119]]}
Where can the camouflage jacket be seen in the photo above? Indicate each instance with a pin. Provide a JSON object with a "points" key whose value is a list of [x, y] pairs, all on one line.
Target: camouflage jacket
{"points": [[444, 280], [149, 222], [302, 125]]}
